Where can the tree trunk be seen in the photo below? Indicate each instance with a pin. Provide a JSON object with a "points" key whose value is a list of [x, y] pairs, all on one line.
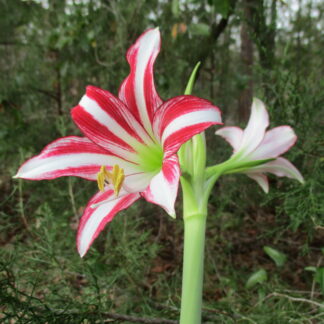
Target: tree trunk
{"points": [[207, 45], [263, 33], [245, 99]]}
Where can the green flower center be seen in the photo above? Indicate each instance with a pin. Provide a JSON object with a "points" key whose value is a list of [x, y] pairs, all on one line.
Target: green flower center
{"points": [[151, 157]]}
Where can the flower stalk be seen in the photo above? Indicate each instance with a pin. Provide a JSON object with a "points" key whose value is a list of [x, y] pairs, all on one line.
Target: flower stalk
{"points": [[192, 158], [193, 268]]}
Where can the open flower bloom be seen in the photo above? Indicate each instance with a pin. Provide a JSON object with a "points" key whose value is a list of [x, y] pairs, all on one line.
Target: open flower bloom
{"points": [[130, 143], [254, 143]]}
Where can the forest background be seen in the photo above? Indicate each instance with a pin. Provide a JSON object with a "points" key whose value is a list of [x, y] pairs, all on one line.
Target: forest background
{"points": [[264, 260]]}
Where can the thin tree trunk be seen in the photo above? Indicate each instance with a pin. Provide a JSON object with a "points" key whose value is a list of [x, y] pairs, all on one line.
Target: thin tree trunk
{"points": [[245, 99], [59, 91], [264, 34], [206, 46]]}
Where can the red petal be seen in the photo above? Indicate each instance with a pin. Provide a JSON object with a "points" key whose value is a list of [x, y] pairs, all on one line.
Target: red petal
{"points": [[182, 117], [106, 121], [95, 219], [138, 90], [70, 156], [163, 188]]}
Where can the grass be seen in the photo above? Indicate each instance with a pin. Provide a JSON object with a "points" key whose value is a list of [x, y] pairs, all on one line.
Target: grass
{"points": [[134, 267]]}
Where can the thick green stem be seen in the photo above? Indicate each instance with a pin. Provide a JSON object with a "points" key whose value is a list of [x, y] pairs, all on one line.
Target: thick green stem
{"points": [[193, 268], [192, 157]]}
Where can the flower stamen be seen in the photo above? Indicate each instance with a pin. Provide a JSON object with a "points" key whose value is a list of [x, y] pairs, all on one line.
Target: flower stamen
{"points": [[115, 178]]}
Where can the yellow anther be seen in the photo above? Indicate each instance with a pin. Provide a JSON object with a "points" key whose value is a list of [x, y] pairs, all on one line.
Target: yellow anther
{"points": [[100, 181], [101, 178], [106, 173], [115, 178], [118, 177]]}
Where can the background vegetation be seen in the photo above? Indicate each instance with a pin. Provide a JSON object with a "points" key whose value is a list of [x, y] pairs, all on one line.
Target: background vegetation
{"points": [[264, 253]]}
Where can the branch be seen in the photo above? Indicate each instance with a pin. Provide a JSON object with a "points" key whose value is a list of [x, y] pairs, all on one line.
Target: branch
{"points": [[216, 31], [219, 28], [134, 319], [47, 93], [296, 299], [11, 43], [108, 315], [38, 311]]}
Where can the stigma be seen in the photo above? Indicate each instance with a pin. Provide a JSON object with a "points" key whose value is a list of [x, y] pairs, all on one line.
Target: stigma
{"points": [[115, 178]]}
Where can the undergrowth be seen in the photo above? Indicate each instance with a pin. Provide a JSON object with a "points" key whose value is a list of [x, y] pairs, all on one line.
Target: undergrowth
{"points": [[134, 267]]}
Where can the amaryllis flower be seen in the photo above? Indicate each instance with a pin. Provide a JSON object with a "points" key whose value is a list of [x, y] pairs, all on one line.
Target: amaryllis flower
{"points": [[254, 143], [130, 143]]}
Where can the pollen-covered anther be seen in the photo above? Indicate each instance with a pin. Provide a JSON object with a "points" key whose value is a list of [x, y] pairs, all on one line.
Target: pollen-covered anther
{"points": [[118, 178], [115, 178]]}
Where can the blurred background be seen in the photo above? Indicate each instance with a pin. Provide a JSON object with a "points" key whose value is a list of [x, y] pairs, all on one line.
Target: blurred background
{"points": [[264, 260]]}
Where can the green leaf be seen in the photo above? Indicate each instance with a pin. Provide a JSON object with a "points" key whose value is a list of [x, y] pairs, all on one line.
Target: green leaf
{"points": [[257, 277], [311, 269], [319, 278], [278, 257], [192, 79], [199, 29]]}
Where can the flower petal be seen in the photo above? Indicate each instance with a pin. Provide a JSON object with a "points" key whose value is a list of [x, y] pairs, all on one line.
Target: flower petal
{"points": [[281, 167], [163, 188], [182, 117], [261, 179], [275, 142], [94, 220], [70, 156], [233, 135], [138, 90], [254, 132], [106, 121], [137, 182]]}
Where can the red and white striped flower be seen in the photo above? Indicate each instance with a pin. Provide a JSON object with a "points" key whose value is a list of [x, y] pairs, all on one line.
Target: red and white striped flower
{"points": [[254, 143], [130, 143]]}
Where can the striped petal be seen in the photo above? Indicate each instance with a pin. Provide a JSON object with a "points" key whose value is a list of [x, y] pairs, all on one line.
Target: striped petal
{"points": [[281, 167], [70, 156], [261, 179], [254, 132], [163, 188], [137, 182], [94, 219], [182, 117], [276, 142], [233, 135], [138, 90], [106, 121]]}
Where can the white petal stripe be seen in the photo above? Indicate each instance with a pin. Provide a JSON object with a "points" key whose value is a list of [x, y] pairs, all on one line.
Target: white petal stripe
{"points": [[255, 130], [163, 188], [276, 142], [93, 225], [148, 45], [261, 179], [233, 135], [104, 119], [192, 118], [281, 167], [137, 182], [35, 168]]}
